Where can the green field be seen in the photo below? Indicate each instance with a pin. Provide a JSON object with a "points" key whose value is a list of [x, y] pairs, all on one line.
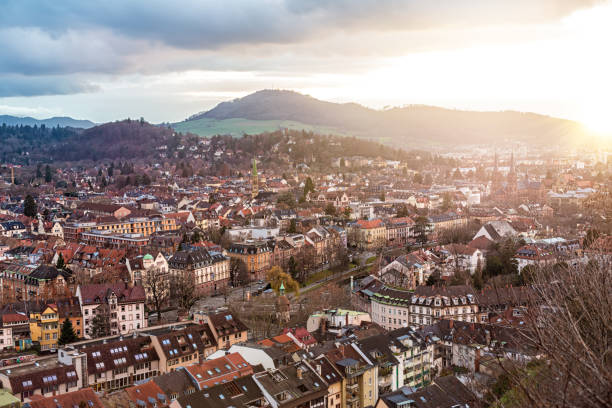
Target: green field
{"points": [[237, 127]]}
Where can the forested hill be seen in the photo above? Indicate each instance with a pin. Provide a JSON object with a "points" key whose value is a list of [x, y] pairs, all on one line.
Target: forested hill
{"points": [[411, 126], [139, 140], [62, 121]]}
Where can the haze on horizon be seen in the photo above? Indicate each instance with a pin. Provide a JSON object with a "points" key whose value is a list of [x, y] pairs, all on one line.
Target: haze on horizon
{"points": [[167, 60]]}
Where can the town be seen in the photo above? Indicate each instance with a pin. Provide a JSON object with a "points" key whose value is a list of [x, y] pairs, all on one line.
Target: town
{"points": [[293, 269]]}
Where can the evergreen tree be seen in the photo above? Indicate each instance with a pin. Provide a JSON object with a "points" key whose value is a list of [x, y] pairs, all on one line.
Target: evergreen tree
{"points": [[67, 334], [30, 209], [60, 261], [308, 186], [292, 267], [99, 326], [292, 226], [38, 171], [48, 175]]}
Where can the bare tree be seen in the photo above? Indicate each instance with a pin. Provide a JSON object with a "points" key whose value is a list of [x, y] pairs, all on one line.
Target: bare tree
{"points": [[182, 289], [570, 321], [157, 289]]}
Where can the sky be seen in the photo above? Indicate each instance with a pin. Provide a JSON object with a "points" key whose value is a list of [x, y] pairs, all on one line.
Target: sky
{"points": [[166, 60]]}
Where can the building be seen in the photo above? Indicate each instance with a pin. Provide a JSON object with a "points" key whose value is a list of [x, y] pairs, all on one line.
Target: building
{"points": [[71, 399], [179, 346], [239, 392], [219, 370], [256, 255], [296, 385], [45, 327], [121, 307], [209, 271], [226, 328], [360, 373], [537, 256], [41, 377], [445, 392], [335, 320], [113, 363], [367, 235]]}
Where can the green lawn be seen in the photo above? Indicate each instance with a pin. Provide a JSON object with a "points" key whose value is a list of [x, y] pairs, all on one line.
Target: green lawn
{"points": [[371, 259], [237, 127]]}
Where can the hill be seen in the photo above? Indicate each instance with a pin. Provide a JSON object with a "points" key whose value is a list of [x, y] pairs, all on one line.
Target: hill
{"points": [[411, 126], [126, 139], [61, 121]]}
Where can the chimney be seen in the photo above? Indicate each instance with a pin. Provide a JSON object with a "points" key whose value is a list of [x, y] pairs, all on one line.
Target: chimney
{"points": [[450, 323], [300, 374], [472, 327], [477, 361]]}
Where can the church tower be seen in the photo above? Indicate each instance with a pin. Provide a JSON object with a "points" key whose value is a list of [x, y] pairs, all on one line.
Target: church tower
{"points": [[512, 178], [254, 180]]}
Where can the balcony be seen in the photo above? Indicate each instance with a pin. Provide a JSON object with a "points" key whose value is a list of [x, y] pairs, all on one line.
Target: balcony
{"points": [[351, 387], [352, 398]]}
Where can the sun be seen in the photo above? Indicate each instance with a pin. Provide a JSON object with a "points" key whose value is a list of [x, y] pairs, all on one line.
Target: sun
{"points": [[599, 122]]}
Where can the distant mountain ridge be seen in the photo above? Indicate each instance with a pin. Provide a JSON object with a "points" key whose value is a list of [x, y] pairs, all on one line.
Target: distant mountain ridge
{"points": [[62, 121], [415, 125]]}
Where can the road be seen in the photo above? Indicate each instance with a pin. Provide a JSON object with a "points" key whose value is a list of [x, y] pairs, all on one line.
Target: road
{"points": [[236, 294]]}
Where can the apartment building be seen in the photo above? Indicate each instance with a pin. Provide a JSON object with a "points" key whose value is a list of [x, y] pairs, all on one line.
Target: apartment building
{"points": [[257, 256], [210, 271], [41, 377], [113, 363], [360, 373], [121, 306]]}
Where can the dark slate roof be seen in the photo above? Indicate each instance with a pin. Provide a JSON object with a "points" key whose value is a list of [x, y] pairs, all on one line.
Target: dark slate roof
{"points": [[240, 392], [194, 258], [119, 354], [49, 272], [445, 392]]}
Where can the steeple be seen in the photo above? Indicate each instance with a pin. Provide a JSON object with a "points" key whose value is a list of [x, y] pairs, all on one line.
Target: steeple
{"points": [[254, 180], [281, 290]]}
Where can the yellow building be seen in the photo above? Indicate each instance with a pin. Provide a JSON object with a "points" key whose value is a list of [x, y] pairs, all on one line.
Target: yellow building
{"points": [[366, 234], [45, 327], [360, 386]]}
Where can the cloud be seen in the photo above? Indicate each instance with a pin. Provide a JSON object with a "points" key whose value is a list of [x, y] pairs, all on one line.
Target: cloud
{"points": [[19, 85], [42, 38]]}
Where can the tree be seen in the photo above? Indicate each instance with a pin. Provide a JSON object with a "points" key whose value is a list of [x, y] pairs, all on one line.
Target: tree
{"points": [[239, 273], [60, 262], [292, 226], [330, 209], [447, 202], [100, 326], [569, 323], [38, 171], [48, 175], [277, 277], [182, 289], [30, 208], [308, 186], [421, 225], [292, 267], [402, 211], [287, 199], [418, 178], [347, 212], [67, 334], [157, 288]]}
